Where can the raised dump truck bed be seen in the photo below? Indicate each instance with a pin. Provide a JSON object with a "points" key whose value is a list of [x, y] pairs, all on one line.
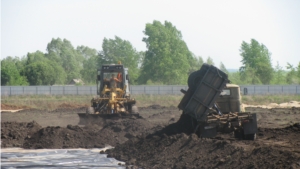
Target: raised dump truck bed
{"points": [[205, 86]]}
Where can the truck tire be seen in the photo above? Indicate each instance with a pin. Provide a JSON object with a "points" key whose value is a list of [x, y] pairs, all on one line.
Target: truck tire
{"points": [[250, 136], [238, 134]]}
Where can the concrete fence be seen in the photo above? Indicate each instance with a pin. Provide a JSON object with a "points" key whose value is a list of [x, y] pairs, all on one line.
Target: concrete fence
{"points": [[139, 89]]}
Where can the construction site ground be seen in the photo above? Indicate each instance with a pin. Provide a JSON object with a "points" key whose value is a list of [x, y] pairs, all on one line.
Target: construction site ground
{"points": [[158, 139]]}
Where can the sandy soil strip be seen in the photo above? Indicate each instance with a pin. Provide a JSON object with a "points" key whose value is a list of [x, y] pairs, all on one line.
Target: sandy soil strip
{"points": [[275, 105]]}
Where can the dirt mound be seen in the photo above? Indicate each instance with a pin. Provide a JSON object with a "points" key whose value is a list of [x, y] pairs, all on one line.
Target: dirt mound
{"points": [[173, 148], [185, 124], [182, 151], [60, 137], [91, 136], [13, 134]]}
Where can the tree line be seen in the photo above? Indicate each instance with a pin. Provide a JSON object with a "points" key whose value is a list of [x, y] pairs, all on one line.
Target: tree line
{"points": [[167, 60]]}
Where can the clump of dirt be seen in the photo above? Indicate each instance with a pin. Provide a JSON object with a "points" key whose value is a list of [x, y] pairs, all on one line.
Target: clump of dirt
{"points": [[90, 136], [13, 134]]}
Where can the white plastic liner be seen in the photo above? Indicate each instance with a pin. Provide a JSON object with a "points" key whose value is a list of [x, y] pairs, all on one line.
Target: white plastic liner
{"points": [[57, 158]]}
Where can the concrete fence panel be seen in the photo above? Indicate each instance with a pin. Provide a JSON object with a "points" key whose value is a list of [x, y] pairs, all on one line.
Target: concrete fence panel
{"points": [[139, 89]]}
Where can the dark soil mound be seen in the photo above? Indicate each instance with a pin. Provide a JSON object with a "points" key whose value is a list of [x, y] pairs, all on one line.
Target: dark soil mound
{"points": [[60, 137], [112, 133], [185, 124], [14, 133], [182, 151], [176, 147]]}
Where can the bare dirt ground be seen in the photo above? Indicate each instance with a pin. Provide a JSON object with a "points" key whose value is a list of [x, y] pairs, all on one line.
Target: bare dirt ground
{"points": [[158, 139]]}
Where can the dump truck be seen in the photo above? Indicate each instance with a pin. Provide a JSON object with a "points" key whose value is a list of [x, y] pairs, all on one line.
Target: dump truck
{"points": [[215, 105], [113, 98]]}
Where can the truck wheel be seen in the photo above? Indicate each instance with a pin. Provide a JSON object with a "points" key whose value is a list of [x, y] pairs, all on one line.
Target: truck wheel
{"points": [[90, 110], [238, 134], [250, 136]]}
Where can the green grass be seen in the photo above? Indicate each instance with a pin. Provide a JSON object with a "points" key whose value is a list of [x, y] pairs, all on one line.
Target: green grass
{"points": [[163, 100], [50, 102]]}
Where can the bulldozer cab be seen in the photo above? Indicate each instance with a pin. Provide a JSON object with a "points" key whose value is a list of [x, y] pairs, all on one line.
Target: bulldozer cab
{"points": [[113, 76], [230, 99]]}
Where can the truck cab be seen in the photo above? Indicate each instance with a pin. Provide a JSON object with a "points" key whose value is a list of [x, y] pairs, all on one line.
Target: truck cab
{"points": [[230, 99]]}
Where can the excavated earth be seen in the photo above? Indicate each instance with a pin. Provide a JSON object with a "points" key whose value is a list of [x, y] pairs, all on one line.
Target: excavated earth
{"points": [[159, 138]]}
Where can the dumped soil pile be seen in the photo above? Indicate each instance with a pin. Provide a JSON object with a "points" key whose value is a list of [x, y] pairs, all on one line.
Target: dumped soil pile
{"points": [[90, 136], [183, 151], [185, 124], [13, 134], [175, 147]]}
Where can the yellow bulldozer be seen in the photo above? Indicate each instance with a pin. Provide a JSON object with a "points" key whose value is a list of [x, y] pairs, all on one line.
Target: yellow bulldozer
{"points": [[113, 96]]}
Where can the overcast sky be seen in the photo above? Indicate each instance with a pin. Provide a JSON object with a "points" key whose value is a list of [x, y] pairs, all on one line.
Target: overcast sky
{"points": [[214, 28]]}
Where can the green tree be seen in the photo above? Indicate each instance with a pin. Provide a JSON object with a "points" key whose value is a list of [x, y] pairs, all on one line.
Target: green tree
{"points": [[63, 53], [40, 73], [114, 50], [235, 78], [86, 52], [37, 57], [195, 62], [279, 77], [298, 71], [249, 76], [223, 68], [167, 57], [19, 62], [10, 74], [90, 63], [89, 71], [210, 61], [291, 76], [256, 58]]}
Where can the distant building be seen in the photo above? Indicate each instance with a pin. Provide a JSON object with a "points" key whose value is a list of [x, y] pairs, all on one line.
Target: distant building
{"points": [[76, 82]]}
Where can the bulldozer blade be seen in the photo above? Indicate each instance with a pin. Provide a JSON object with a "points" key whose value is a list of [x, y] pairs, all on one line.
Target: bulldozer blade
{"points": [[86, 119]]}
